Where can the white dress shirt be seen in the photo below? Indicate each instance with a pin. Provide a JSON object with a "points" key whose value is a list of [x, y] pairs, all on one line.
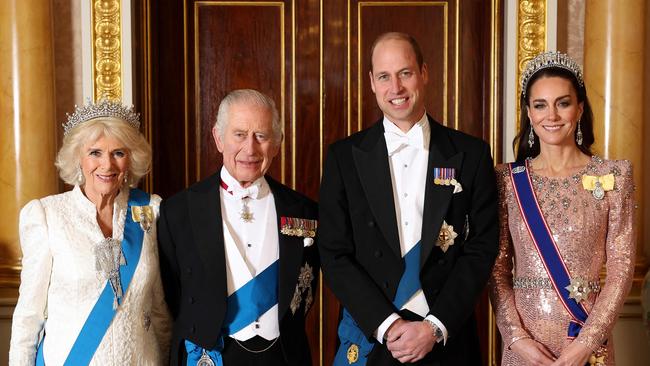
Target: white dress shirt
{"points": [[250, 246], [408, 157]]}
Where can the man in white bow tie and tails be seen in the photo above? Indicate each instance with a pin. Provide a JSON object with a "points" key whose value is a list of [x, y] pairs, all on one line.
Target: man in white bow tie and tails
{"points": [[237, 258], [408, 219]]}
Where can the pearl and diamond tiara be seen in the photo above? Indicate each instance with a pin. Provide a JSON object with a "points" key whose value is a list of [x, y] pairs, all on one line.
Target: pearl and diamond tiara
{"points": [[550, 59], [103, 108]]}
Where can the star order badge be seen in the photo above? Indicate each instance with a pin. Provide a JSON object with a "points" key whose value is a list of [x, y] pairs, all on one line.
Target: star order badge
{"points": [[353, 353], [446, 236], [304, 285], [578, 289]]}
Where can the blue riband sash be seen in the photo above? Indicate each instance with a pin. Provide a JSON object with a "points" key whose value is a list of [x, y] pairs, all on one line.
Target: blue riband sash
{"points": [[102, 314], [545, 245], [349, 331], [243, 307]]}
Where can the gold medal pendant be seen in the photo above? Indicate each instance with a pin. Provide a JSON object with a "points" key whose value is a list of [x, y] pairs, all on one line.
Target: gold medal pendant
{"points": [[246, 215], [598, 358], [353, 353]]}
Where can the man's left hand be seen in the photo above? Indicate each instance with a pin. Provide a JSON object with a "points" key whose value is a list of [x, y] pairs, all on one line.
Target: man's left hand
{"points": [[410, 341]]}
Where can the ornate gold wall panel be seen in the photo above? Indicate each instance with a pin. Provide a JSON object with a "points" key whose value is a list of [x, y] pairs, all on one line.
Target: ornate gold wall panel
{"points": [[531, 36], [106, 49]]}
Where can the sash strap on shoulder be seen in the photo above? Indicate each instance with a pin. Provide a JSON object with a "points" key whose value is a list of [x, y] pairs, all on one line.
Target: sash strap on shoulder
{"points": [[102, 313], [545, 245]]}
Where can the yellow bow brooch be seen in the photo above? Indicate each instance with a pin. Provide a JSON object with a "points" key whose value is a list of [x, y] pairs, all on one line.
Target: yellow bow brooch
{"points": [[143, 215], [598, 185]]}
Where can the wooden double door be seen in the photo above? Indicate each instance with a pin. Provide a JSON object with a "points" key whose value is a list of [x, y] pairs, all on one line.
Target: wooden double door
{"points": [[312, 57]]}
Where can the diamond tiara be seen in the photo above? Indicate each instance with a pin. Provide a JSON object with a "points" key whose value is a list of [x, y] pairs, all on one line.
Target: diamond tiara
{"points": [[550, 59], [103, 108]]}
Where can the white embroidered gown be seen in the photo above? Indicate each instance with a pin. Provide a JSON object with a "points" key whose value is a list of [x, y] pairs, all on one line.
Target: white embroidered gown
{"points": [[60, 285]]}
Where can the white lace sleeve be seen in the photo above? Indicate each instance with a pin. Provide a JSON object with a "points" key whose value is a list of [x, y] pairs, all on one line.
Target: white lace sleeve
{"points": [[31, 309]]}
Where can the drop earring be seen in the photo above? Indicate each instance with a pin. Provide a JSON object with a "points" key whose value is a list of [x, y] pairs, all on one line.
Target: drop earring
{"points": [[80, 175], [126, 177], [531, 137], [579, 134]]}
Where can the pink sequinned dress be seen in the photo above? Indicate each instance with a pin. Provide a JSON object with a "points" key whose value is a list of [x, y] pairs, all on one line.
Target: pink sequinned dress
{"points": [[589, 233]]}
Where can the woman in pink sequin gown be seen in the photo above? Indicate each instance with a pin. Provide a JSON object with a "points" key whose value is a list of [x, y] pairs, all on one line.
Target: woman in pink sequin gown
{"points": [[590, 231]]}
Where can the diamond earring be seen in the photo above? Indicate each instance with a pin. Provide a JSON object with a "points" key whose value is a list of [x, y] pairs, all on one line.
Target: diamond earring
{"points": [[579, 134], [531, 137], [126, 177]]}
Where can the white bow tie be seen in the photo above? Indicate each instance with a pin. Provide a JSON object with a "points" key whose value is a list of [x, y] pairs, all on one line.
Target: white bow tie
{"points": [[238, 192], [396, 141]]}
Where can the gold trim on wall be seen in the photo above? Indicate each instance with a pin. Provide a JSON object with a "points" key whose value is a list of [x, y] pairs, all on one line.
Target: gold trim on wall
{"points": [[106, 49], [531, 37], [495, 131]]}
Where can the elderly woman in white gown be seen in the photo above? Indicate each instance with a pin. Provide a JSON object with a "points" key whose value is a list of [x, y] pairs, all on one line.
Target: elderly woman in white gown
{"points": [[90, 289]]}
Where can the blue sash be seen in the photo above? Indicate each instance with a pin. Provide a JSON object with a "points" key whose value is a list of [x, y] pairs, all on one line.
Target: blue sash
{"points": [[545, 245], [102, 314], [349, 331], [243, 307]]}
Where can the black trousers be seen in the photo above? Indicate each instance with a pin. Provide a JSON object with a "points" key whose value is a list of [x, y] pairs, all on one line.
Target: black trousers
{"points": [[248, 353]]}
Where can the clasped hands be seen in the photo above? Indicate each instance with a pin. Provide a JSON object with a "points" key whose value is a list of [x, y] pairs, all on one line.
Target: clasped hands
{"points": [[409, 341], [536, 354]]}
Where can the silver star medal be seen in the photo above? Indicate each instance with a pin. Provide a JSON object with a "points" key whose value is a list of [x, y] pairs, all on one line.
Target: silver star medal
{"points": [[108, 258], [304, 284], [446, 236], [245, 214], [578, 289]]}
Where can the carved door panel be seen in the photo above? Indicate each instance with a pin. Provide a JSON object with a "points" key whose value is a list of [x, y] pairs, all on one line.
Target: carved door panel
{"points": [[312, 57]]}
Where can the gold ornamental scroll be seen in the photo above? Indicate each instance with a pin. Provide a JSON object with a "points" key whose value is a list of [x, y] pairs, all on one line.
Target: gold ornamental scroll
{"points": [[106, 49], [531, 37]]}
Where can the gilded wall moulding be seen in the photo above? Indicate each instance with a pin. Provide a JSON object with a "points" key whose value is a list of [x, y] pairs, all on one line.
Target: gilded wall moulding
{"points": [[531, 37], [106, 50]]}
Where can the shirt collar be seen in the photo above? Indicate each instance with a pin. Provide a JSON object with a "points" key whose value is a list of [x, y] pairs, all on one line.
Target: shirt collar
{"points": [[420, 127], [258, 189]]}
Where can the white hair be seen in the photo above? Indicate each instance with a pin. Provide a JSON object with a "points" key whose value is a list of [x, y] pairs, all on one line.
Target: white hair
{"points": [[68, 160], [253, 97]]}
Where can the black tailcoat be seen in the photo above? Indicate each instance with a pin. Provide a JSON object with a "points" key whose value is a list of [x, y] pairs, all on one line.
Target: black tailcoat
{"points": [[359, 242], [193, 267]]}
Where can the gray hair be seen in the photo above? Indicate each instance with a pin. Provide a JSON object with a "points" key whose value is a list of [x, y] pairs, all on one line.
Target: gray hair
{"points": [[68, 159], [253, 97]]}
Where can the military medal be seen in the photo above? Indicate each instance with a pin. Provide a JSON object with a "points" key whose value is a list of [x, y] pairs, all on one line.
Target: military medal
{"points": [[578, 289], [294, 226], [304, 285], [245, 214], [446, 236], [353, 353], [598, 185], [598, 192], [445, 177], [143, 215], [205, 360]]}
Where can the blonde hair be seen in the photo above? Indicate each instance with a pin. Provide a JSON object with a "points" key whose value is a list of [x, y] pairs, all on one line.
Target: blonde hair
{"points": [[68, 159]]}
